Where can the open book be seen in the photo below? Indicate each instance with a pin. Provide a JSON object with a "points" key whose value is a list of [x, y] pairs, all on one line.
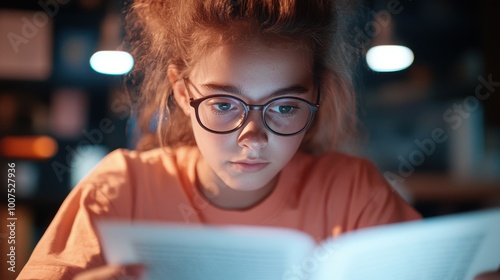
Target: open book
{"points": [[448, 247]]}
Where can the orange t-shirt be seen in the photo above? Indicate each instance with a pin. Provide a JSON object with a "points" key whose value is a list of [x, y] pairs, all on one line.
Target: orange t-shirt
{"points": [[324, 195]]}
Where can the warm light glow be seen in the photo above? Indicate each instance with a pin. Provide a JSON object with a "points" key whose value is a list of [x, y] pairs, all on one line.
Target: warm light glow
{"points": [[389, 58], [112, 62], [33, 147]]}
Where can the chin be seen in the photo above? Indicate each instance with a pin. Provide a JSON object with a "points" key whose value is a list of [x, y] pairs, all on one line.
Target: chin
{"points": [[248, 184], [251, 189], [245, 187]]}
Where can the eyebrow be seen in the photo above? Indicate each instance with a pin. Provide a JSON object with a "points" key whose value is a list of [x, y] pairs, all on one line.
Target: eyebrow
{"points": [[294, 89]]}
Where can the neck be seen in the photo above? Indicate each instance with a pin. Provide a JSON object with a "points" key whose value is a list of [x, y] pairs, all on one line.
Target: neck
{"points": [[219, 194]]}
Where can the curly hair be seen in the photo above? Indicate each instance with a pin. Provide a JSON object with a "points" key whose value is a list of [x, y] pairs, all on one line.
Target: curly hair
{"points": [[161, 33]]}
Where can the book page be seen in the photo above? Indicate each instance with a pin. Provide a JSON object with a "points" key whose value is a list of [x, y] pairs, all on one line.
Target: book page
{"points": [[450, 247], [172, 251]]}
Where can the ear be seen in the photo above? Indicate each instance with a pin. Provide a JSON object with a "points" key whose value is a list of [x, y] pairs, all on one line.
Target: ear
{"points": [[180, 93]]}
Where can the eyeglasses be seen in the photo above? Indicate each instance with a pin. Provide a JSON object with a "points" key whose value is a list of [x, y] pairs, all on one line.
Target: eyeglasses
{"points": [[284, 116]]}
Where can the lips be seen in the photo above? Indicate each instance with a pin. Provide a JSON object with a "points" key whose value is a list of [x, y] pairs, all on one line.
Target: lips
{"points": [[249, 166]]}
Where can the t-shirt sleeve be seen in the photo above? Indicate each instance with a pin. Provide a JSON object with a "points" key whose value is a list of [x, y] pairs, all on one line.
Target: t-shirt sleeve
{"points": [[383, 205], [70, 244]]}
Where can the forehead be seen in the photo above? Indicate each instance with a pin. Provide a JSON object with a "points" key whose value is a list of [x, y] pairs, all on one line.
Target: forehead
{"points": [[255, 65]]}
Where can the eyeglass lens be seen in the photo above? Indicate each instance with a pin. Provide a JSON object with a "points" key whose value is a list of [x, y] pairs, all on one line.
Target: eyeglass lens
{"points": [[283, 115]]}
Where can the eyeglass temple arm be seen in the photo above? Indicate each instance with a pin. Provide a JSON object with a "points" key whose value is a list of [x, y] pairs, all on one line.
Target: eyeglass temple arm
{"points": [[319, 93]]}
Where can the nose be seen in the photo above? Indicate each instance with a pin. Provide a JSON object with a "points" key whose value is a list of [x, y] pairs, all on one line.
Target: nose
{"points": [[253, 134]]}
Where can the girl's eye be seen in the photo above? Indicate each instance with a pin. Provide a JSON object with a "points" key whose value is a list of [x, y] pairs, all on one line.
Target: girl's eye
{"points": [[223, 106], [283, 109]]}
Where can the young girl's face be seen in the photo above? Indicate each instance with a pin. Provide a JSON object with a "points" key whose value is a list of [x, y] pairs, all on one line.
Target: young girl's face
{"points": [[250, 157]]}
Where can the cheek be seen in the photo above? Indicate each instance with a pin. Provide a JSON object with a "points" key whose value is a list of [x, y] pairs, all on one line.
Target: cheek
{"points": [[285, 147], [291, 142], [211, 145]]}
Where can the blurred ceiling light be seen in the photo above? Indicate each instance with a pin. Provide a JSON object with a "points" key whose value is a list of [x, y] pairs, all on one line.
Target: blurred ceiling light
{"points": [[112, 62], [389, 58], [32, 147]]}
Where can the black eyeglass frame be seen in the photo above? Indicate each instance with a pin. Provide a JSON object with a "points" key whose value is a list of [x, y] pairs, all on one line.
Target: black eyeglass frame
{"points": [[195, 103]]}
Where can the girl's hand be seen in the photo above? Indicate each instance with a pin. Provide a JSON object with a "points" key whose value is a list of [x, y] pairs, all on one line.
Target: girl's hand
{"points": [[115, 272]]}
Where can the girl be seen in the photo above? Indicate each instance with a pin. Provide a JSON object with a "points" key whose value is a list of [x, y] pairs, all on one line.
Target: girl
{"points": [[251, 99]]}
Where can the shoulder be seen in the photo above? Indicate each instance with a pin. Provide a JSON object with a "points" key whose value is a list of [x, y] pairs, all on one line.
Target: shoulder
{"points": [[338, 178], [121, 164], [353, 190], [114, 184], [335, 176]]}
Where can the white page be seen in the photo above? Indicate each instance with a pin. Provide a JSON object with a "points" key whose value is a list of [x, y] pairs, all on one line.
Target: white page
{"points": [[197, 252], [451, 247]]}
